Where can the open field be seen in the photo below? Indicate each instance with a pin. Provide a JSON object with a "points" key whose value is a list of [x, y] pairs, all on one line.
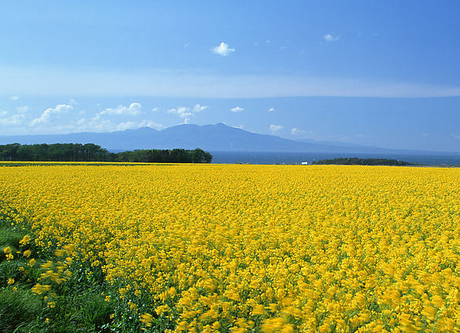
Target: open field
{"points": [[244, 248]]}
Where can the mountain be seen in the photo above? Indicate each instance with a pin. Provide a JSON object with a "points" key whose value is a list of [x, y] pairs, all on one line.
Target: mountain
{"points": [[217, 137]]}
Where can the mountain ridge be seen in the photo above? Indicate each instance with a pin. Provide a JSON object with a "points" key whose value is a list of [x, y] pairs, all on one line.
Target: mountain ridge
{"points": [[218, 137]]}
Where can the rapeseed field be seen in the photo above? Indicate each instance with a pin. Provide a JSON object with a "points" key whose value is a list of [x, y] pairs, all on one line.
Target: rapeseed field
{"points": [[244, 248]]}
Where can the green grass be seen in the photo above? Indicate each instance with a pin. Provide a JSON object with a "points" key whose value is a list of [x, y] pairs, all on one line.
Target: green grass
{"points": [[19, 310]]}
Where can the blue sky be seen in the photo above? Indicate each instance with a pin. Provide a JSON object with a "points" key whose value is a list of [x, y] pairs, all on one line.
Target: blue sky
{"points": [[381, 73]]}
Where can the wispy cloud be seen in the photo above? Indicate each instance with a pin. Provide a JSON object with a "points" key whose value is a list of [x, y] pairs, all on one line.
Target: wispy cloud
{"points": [[276, 128], [13, 120], [99, 124], [132, 110], [49, 113], [237, 109], [297, 132], [182, 111], [197, 84], [199, 108], [223, 49], [22, 109], [14, 98], [271, 110], [186, 112], [331, 38]]}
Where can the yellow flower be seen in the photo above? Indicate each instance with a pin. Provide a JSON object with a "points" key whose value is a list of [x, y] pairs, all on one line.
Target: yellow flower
{"points": [[25, 240], [147, 319]]}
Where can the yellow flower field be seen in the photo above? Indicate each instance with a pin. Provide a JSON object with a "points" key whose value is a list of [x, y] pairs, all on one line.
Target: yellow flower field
{"points": [[242, 248]]}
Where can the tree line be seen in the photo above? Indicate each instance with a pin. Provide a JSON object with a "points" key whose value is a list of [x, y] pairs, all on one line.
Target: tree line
{"points": [[76, 152]]}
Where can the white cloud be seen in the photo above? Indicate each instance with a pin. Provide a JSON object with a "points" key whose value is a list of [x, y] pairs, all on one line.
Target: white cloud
{"points": [[199, 108], [16, 119], [186, 112], [132, 110], [22, 109], [237, 109], [331, 38], [155, 109], [181, 111], [14, 98], [276, 128], [222, 50], [50, 113], [99, 124], [271, 110], [297, 132]]}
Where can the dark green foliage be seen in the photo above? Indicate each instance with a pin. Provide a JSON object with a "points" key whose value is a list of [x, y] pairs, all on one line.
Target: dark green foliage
{"points": [[85, 311], [62, 152], [363, 161], [165, 156], [19, 310], [69, 152]]}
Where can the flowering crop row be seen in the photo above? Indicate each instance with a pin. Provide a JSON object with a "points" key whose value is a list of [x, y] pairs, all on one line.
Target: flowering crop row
{"points": [[240, 248]]}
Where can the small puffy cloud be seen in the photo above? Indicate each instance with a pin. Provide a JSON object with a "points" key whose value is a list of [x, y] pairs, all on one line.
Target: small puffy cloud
{"points": [[51, 112], [237, 109], [222, 50], [155, 109], [181, 111], [276, 128], [331, 38], [132, 110], [271, 110], [199, 108], [297, 132], [186, 112], [14, 98]]}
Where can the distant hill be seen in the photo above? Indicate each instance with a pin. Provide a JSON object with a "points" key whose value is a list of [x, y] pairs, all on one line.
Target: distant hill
{"points": [[216, 138], [363, 161]]}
